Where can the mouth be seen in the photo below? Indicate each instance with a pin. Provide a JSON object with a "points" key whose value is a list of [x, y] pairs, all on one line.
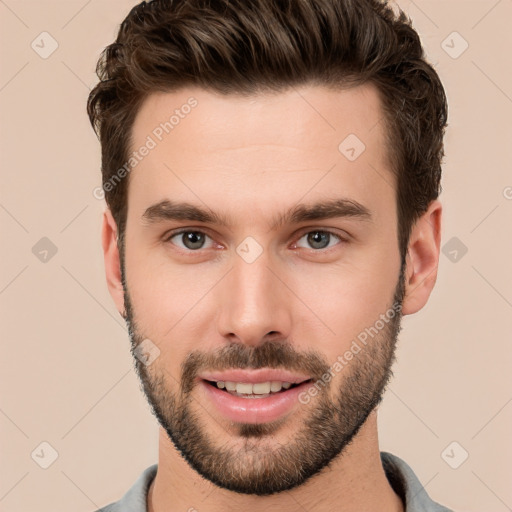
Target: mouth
{"points": [[267, 398]]}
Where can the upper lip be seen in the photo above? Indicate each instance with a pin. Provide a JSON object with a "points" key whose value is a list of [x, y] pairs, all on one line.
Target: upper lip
{"points": [[254, 376]]}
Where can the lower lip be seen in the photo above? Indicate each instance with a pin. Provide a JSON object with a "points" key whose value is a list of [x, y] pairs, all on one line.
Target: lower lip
{"points": [[254, 410]]}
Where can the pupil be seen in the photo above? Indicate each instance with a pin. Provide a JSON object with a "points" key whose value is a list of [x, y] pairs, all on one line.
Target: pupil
{"points": [[318, 238]]}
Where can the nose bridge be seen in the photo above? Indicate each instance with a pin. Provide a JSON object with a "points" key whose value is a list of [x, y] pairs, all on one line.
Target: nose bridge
{"points": [[253, 302]]}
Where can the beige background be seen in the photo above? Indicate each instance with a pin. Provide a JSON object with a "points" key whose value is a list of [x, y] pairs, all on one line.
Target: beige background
{"points": [[66, 373]]}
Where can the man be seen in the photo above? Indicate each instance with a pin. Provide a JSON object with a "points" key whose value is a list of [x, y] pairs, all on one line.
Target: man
{"points": [[271, 171]]}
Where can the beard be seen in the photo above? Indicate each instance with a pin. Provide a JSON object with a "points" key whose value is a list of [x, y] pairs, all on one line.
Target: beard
{"points": [[254, 463]]}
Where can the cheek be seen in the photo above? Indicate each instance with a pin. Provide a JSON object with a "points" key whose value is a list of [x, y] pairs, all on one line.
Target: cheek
{"points": [[343, 302], [173, 307], [170, 303]]}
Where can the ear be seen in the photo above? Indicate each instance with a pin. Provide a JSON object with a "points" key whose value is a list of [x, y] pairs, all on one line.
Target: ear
{"points": [[422, 259], [112, 260]]}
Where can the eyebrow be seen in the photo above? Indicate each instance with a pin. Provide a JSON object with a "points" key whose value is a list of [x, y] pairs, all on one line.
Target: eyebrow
{"points": [[336, 208]]}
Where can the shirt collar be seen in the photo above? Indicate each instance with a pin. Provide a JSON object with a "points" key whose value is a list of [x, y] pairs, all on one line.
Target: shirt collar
{"points": [[405, 483]]}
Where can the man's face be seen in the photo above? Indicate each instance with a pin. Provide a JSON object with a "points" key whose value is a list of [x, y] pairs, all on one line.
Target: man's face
{"points": [[254, 294]]}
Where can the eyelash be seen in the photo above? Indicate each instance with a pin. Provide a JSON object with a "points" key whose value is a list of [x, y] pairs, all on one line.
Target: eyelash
{"points": [[169, 236]]}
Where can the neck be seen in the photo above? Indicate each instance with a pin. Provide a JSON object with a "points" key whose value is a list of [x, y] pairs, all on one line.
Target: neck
{"points": [[354, 481]]}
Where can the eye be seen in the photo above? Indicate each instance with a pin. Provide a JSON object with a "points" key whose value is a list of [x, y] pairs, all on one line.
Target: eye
{"points": [[194, 240], [190, 240], [320, 239]]}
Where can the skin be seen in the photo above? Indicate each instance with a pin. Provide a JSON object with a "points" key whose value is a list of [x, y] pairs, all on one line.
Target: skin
{"points": [[250, 159]]}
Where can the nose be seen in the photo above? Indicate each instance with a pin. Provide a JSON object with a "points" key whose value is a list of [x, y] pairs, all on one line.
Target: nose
{"points": [[255, 305]]}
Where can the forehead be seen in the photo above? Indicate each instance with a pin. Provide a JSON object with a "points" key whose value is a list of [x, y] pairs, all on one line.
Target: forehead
{"points": [[229, 150], [226, 121]]}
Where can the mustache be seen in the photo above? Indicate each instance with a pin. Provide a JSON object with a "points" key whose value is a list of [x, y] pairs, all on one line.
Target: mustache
{"points": [[270, 354]]}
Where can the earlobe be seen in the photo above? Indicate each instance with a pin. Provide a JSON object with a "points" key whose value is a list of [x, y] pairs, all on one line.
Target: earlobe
{"points": [[422, 259], [112, 259]]}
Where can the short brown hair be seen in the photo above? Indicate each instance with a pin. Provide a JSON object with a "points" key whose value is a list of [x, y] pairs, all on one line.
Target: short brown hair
{"points": [[246, 47]]}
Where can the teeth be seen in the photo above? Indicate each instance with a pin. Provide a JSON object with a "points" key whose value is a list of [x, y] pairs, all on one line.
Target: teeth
{"points": [[275, 386], [246, 389], [260, 388]]}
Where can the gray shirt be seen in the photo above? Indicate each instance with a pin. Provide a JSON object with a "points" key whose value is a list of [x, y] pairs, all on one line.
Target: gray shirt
{"points": [[401, 478]]}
